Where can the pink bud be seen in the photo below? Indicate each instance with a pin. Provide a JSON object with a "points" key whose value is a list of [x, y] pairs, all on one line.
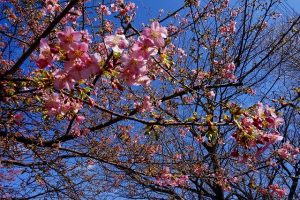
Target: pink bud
{"points": [[18, 117], [80, 118]]}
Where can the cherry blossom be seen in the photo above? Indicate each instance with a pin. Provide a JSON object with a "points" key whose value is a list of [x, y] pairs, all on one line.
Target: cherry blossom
{"points": [[146, 106], [68, 36], [156, 33], [135, 69], [63, 80], [80, 118], [52, 6], [105, 10], [117, 42], [288, 152], [46, 57], [277, 190], [168, 179], [57, 105], [144, 47]]}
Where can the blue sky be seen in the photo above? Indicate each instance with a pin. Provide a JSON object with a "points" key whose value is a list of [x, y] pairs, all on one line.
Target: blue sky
{"points": [[295, 4], [173, 3], [150, 8]]}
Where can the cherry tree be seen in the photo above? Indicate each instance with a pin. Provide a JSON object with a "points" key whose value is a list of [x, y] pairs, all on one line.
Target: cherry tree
{"points": [[195, 103]]}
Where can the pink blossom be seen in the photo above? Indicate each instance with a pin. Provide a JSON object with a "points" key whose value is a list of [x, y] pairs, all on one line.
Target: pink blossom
{"points": [[63, 81], [130, 7], [135, 69], [68, 36], [263, 191], [247, 121], [144, 47], [156, 33], [80, 118], [259, 109], [78, 50], [117, 42], [77, 69], [271, 117], [56, 104], [182, 180], [85, 131], [200, 139], [268, 139], [52, 6], [228, 29], [268, 114], [53, 104], [119, 31], [114, 8], [105, 10], [184, 22], [235, 179], [228, 72], [82, 68], [167, 179], [137, 65], [234, 13], [146, 105], [277, 190], [86, 37], [93, 64], [253, 128], [272, 138], [288, 152], [225, 4], [283, 153], [230, 66], [101, 48], [45, 58], [232, 27]]}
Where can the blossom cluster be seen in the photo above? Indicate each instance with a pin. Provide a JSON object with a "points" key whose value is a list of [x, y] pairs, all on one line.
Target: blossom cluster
{"points": [[277, 191], [228, 29], [288, 152], [273, 190], [167, 179], [145, 106], [226, 70], [118, 6], [51, 6], [73, 49], [57, 105], [254, 126], [79, 64], [135, 61]]}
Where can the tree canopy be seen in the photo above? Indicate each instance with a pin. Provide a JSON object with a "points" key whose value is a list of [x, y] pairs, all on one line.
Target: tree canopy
{"points": [[197, 102]]}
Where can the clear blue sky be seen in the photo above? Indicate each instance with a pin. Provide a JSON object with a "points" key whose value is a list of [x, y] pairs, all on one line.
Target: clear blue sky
{"points": [[295, 4], [149, 8]]}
